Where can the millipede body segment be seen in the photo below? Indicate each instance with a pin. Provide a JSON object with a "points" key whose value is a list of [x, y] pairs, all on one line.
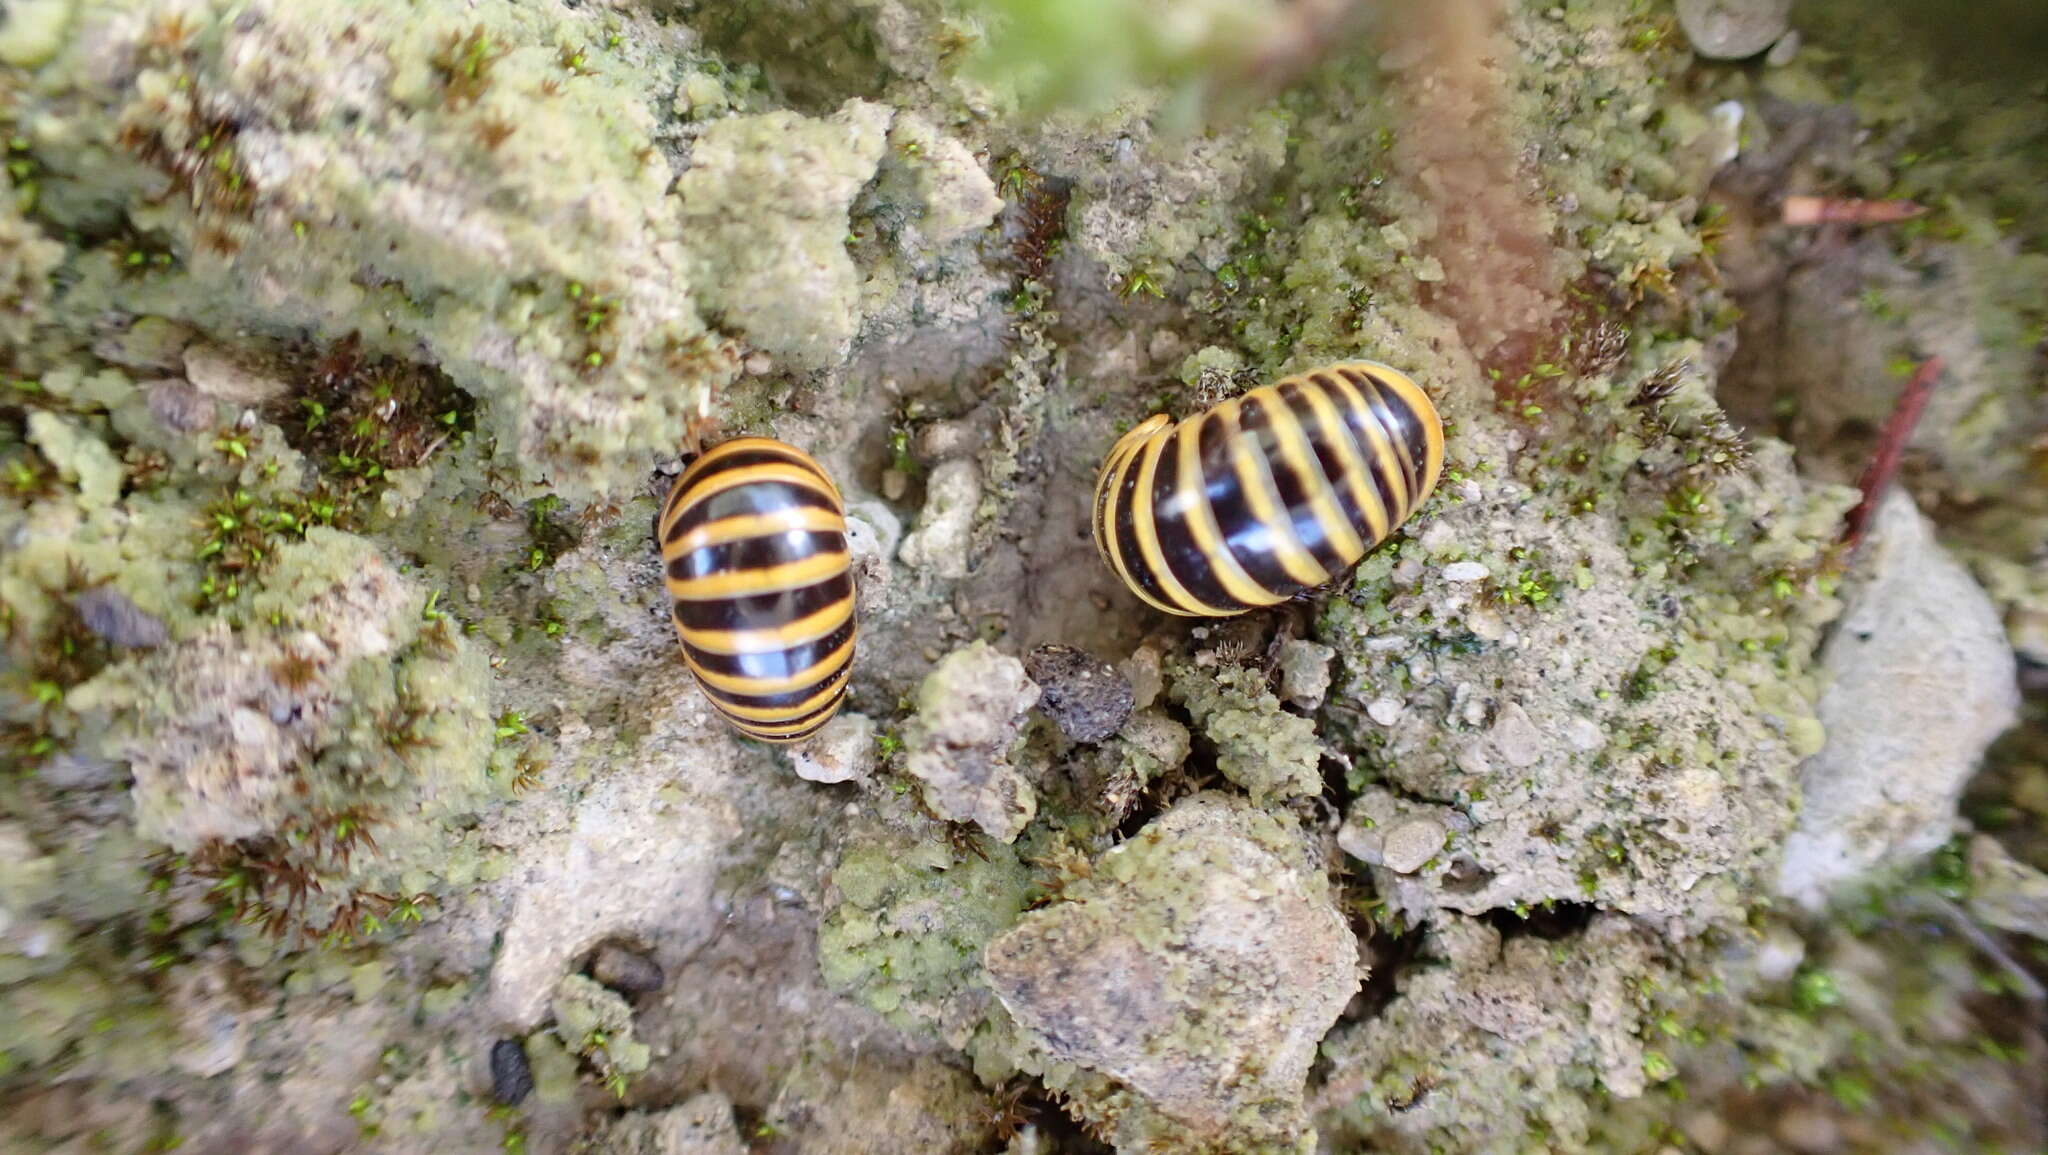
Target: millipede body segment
{"points": [[753, 537], [1265, 495]]}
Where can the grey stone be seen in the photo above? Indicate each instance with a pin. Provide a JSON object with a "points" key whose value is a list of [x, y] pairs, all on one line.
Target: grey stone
{"points": [[179, 406], [842, 751], [1922, 679], [701, 1126], [939, 543], [1305, 672], [2005, 892], [1215, 903], [1408, 846], [1733, 29]]}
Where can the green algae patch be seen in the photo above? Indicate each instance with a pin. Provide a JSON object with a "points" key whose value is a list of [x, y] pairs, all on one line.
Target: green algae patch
{"points": [[907, 932], [764, 205], [597, 1025], [1259, 746]]}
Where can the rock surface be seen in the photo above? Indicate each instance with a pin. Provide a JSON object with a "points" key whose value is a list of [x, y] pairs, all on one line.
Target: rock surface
{"points": [[1922, 681], [939, 543], [1213, 904], [701, 1126], [1305, 672], [957, 745], [622, 866]]}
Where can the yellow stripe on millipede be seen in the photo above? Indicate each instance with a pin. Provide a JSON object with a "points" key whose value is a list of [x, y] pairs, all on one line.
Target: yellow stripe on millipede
{"points": [[1355, 468], [725, 449], [1301, 458], [763, 687], [1381, 449], [1111, 475], [770, 579], [788, 472], [783, 734], [740, 527], [1425, 414], [1201, 522], [1390, 403], [1113, 544], [774, 715], [1262, 497], [771, 639], [1146, 528]]}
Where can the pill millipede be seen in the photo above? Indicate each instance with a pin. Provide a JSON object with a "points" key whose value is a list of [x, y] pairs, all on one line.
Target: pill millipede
{"points": [[753, 539], [1263, 496]]}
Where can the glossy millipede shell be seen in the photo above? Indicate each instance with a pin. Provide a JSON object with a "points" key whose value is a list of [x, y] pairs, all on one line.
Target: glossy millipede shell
{"points": [[1263, 496], [753, 536]]}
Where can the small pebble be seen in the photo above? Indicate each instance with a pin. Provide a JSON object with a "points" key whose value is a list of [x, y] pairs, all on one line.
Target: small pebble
{"points": [[1305, 672], [895, 483], [626, 971], [107, 612], [758, 364], [1779, 954], [1707, 1130], [179, 407], [1584, 734], [1409, 845], [843, 751], [511, 1078], [1733, 29], [1146, 678], [1385, 711], [871, 538], [1466, 571], [218, 373], [1084, 696], [1727, 118], [1516, 737]]}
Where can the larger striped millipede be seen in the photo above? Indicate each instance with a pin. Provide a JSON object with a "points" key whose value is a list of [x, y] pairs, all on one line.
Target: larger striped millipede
{"points": [[1263, 496]]}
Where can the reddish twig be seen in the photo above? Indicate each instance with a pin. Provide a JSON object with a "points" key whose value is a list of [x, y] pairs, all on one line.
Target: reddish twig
{"points": [[1891, 445], [1805, 210]]}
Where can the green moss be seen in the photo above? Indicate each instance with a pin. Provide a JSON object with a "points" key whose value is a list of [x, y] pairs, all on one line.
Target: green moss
{"points": [[478, 281]]}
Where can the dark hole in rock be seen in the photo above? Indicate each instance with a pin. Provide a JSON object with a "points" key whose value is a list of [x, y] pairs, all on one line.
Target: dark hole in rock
{"points": [[1551, 921], [1390, 954]]}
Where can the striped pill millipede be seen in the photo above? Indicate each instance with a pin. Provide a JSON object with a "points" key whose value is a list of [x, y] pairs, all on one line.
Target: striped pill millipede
{"points": [[1266, 495], [754, 539]]}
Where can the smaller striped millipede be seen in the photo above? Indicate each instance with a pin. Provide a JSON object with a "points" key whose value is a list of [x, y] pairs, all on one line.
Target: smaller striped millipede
{"points": [[753, 536], [1266, 495]]}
